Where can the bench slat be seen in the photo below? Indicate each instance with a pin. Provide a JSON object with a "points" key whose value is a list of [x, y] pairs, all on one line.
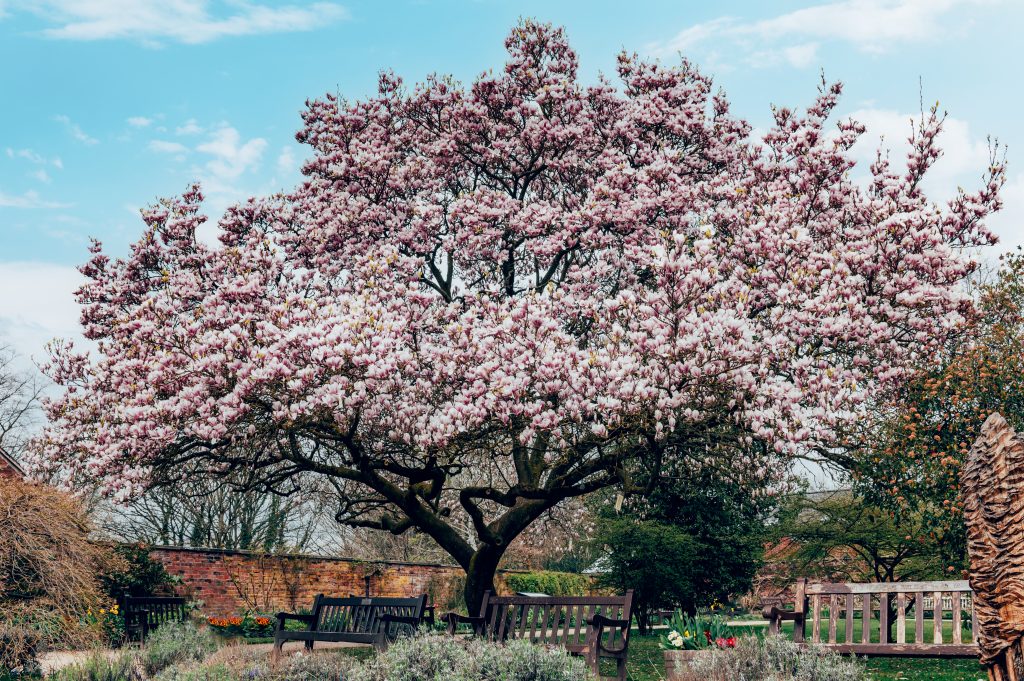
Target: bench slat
{"points": [[833, 614], [907, 650], [883, 618], [901, 618], [865, 619], [886, 587], [892, 602], [958, 637]]}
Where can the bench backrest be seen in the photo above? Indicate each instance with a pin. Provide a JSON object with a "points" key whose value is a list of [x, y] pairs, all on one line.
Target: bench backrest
{"points": [[856, 618], [356, 615], [554, 620], [159, 609]]}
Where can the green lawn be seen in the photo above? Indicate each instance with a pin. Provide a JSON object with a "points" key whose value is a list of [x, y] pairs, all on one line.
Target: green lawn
{"points": [[646, 664], [947, 630]]}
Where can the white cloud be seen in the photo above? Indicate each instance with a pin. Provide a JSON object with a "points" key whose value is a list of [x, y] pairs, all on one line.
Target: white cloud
{"points": [[231, 158], [76, 131], [139, 121], [1009, 222], [37, 305], [798, 56], [41, 175], [965, 158], [29, 199], [286, 162], [152, 22], [164, 147], [869, 25], [191, 127], [33, 157]]}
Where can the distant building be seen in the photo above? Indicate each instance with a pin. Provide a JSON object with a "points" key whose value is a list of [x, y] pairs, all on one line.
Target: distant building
{"points": [[9, 468]]}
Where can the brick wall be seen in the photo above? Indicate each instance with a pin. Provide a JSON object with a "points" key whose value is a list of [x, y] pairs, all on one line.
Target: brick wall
{"points": [[229, 582]]}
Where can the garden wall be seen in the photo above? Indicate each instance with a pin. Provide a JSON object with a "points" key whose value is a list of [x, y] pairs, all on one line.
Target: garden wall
{"points": [[229, 582]]}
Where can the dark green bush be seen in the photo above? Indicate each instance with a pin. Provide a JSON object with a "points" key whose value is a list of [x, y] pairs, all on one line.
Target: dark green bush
{"points": [[135, 573], [548, 582]]}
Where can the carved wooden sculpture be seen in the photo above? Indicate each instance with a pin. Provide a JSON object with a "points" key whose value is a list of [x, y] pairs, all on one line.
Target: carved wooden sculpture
{"points": [[992, 488]]}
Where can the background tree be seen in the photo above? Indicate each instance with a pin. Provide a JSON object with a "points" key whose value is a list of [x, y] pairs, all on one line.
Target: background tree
{"points": [[485, 301], [20, 390], [655, 560], [714, 514], [924, 435], [214, 513], [839, 536]]}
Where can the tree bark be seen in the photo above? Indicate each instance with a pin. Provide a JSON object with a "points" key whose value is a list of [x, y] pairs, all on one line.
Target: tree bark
{"points": [[480, 573]]}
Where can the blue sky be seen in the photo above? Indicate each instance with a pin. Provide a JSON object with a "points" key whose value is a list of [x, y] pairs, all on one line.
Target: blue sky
{"points": [[107, 105]]}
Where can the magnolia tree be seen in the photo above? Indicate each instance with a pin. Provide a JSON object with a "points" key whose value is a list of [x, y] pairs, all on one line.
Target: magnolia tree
{"points": [[485, 301]]}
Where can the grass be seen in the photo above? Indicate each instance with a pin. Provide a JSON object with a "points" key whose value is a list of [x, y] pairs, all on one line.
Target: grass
{"points": [[947, 630], [647, 664]]}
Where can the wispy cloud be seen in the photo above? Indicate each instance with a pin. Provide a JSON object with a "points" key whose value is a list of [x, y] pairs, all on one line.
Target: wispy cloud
{"points": [[286, 162], [75, 131], [165, 147], [191, 127], [44, 308], [153, 22], [139, 121], [230, 156], [29, 199], [34, 157], [869, 25], [965, 157]]}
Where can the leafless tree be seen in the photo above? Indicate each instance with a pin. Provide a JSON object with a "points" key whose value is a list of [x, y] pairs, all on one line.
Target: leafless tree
{"points": [[20, 390]]}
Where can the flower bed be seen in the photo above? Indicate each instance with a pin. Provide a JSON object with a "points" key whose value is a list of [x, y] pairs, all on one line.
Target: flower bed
{"points": [[247, 625], [700, 632]]}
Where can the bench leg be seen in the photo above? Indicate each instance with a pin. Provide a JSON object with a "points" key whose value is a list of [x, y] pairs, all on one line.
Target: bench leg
{"points": [[621, 662]]}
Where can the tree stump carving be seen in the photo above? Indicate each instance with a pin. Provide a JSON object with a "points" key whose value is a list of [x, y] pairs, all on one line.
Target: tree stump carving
{"points": [[992, 489]]}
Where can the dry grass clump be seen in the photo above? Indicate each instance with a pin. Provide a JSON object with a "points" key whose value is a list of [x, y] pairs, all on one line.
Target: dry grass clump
{"points": [[47, 570]]}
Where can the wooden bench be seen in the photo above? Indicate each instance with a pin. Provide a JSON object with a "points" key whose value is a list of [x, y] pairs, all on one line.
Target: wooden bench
{"points": [[822, 607], [593, 627], [142, 614], [374, 621]]}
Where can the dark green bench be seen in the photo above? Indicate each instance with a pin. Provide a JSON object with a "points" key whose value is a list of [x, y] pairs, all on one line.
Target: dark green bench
{"points": [[372, 621]]}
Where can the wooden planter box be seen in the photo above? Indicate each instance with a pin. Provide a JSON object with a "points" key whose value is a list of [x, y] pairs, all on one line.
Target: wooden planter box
{"points": [[676, 661]]}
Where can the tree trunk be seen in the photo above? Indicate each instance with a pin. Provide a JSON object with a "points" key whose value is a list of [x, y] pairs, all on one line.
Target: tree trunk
{"points": [[483, 566]]}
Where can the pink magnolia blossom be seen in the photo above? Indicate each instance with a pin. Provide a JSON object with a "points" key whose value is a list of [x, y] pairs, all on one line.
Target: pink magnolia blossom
{"points": [[486, 300]]}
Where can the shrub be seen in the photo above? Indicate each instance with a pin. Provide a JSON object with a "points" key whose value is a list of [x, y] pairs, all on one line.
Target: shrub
{"points": [[175, 643], [134, 573], [238, 663], [438, 656], [17, 649], [47, 568], [425, 657], [773, 659], [549, 582], [100, 667]]}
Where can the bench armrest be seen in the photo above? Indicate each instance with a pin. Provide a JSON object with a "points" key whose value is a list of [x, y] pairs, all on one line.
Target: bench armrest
{"points": [[284, 616], [454, 619], [602, 622], [776, 616], [595, 630]]}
